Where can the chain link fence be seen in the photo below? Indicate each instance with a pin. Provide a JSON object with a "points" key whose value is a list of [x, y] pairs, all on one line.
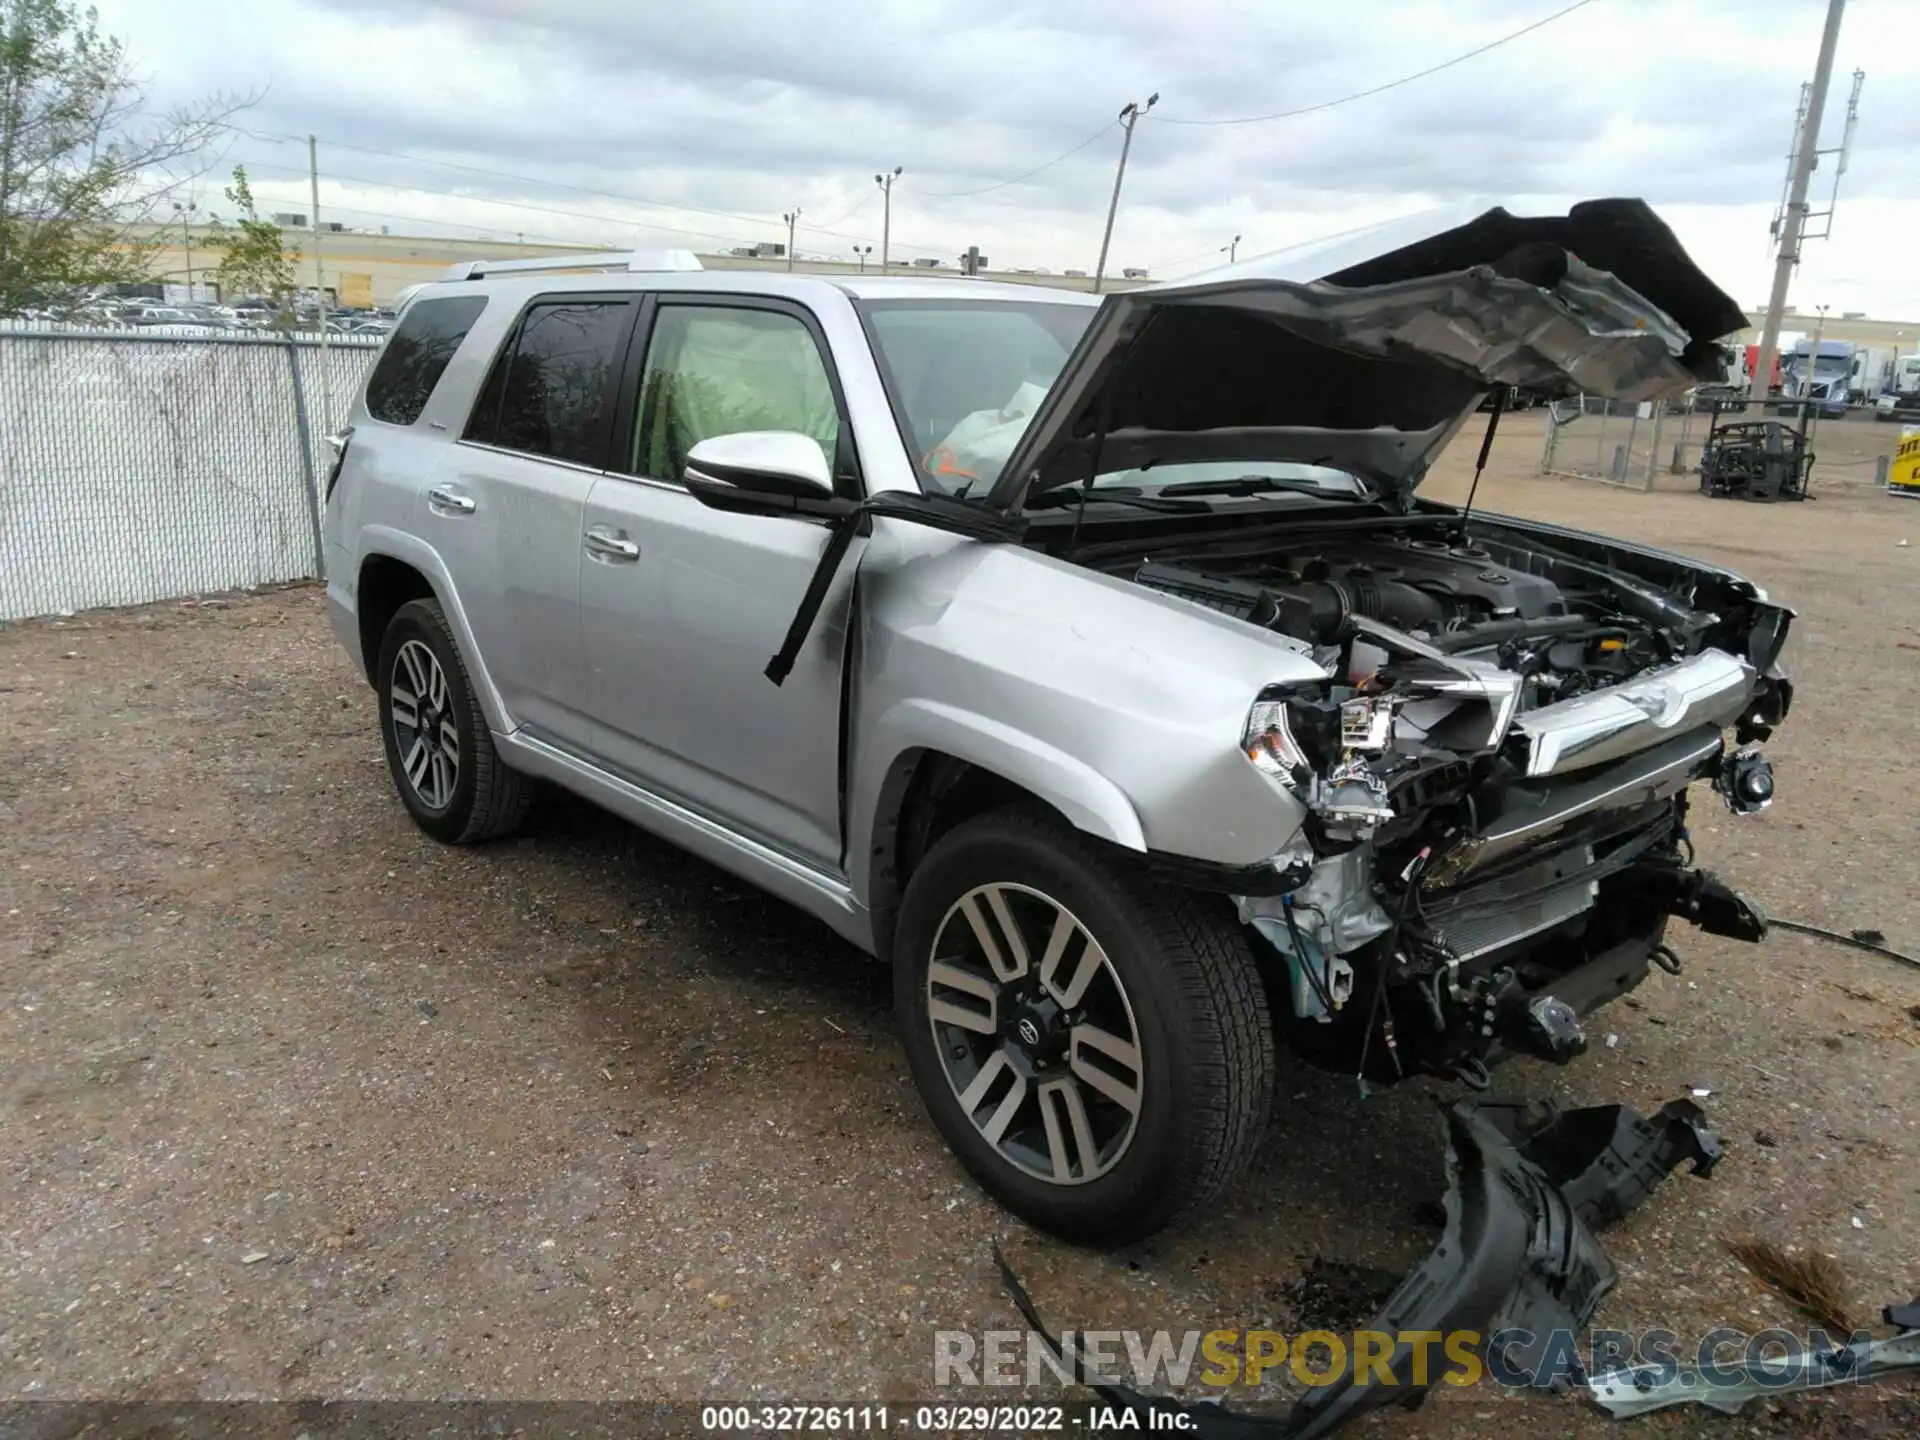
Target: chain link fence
{"points": [[1614, 442], [144, 465]]}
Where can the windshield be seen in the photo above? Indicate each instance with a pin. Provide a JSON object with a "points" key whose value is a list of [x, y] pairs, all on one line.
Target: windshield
{"points": [[1826, 365], [965, 377]]}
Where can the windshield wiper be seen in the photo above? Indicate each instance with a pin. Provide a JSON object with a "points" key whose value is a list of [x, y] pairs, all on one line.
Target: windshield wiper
{"points": [[1256, 485], [1065, 496]]}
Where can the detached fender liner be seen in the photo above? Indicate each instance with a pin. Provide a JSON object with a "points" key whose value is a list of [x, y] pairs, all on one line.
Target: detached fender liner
{"points": [[1527, 1187]]}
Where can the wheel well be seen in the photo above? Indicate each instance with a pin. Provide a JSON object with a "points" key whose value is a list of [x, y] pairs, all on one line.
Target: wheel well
{"points": [[385, 585], [926, 794]]}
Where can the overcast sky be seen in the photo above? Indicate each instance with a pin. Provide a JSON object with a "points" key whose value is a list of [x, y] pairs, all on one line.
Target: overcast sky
{"points": [[700, 124]]}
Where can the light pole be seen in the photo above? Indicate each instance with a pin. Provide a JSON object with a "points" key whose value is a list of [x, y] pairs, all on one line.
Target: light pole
{"points": [[185, 212], [885, 182], [792, 220], [861, 252], [1232, 249], [1130, 115]]}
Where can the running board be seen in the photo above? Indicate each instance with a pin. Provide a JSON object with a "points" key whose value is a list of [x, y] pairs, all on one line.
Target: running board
{"points": [[825, 896]]}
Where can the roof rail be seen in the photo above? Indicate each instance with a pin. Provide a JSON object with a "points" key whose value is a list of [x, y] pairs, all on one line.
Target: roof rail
{"points": [[641, 260]]}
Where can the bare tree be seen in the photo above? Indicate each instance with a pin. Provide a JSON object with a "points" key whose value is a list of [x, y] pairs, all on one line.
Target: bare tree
{"points": [[85, 159]]}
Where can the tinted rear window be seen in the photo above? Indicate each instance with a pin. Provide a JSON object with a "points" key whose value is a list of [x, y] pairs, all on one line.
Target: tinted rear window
{"points": [[550, 390], [416, 356]]}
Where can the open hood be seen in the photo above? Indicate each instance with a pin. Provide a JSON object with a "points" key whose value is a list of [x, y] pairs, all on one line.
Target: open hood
{"points": [[1368, 357]]}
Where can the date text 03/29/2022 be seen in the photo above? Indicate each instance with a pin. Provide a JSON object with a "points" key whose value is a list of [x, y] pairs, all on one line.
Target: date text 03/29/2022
{"points": [[942, 1419]]}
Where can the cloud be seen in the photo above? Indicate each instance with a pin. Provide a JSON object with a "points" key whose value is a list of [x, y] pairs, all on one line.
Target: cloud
{"points": [[703, 126]]}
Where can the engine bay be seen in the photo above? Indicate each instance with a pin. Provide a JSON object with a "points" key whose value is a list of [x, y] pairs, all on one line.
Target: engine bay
{"points": [[1494, 772], [1558, 627]]}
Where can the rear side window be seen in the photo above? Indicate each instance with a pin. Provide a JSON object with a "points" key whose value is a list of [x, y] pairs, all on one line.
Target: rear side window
{"points": [[550, 391], [416, 356]]}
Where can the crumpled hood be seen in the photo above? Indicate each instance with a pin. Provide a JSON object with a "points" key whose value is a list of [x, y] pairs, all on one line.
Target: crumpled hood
{"points": [[1371, 361]]}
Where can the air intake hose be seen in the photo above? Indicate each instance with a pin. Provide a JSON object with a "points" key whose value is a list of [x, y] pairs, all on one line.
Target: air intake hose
{"points": [[1321, 610]]}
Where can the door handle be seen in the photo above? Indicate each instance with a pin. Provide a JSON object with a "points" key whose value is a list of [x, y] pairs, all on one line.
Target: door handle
{"points": [[445, 500], [610, 545]]}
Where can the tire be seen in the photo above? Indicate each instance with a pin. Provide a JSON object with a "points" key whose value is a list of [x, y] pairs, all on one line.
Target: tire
{"points": [[472, 794], [1094, 1171]]}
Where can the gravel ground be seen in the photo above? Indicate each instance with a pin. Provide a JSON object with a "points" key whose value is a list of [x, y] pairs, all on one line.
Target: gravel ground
{"points": [[299, 1103]]}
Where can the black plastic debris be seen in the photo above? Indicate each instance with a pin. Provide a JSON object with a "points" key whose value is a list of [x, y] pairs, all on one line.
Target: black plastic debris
{"points": [[1527, 1187]]}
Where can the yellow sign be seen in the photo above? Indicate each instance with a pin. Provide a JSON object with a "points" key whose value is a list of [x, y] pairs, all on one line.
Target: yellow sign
{"points": [[356, 291], [1903, 477]]}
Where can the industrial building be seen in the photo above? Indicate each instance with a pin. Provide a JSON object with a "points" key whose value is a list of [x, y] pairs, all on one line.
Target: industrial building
{"points": [[366, 269]]}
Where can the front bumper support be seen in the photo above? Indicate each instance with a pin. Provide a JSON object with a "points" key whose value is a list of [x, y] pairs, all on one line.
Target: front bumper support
{"points": [[1642, 1389]]}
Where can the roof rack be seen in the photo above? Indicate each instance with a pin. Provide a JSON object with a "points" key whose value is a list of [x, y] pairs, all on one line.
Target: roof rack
{"points": [[641, 260]]}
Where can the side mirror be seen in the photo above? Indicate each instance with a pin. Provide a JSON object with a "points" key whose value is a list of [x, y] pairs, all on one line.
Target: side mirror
{"points": [[764, 472]]}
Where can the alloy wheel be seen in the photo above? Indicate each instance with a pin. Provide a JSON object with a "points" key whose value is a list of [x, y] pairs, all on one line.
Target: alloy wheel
{"points": [[1036, 1033], [425, 734]]}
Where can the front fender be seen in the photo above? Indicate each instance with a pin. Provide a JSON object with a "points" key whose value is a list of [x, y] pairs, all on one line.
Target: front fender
{"points": [[1087, 798], [384, 540]]}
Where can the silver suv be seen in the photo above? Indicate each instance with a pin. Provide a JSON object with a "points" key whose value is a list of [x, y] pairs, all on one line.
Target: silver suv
{"points": [[1093, 664]]}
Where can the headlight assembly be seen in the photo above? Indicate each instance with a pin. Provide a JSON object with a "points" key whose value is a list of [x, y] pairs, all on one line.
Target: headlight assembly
{"points": [[1320, 746], [1292, 733]]}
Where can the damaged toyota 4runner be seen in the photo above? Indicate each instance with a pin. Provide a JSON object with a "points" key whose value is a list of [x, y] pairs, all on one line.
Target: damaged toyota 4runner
{"points": [[1097, 665]]}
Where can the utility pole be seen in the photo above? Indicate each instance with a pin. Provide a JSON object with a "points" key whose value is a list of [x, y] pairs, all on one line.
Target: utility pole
{"points": [[885, 182], [1129, 116], [186, 234], [1793, 223], [319, 279], [313, 199], [792, 219]]}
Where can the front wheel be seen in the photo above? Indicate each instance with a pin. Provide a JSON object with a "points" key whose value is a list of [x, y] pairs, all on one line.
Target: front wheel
{"points": [[1095, 1048]]}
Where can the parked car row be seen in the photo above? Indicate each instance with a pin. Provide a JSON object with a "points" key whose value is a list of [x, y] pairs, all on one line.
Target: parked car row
{"points": [[361, 322], [247, 313]]}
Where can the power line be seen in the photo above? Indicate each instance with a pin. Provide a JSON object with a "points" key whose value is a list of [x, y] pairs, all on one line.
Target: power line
{"points": [[281, 139], [1381, 89], [1277, 250], [1185, 259], [612, 221], [1028, 175], [1316, 240], [828, 228], [758, 220], [512, 205], [480, 232]]}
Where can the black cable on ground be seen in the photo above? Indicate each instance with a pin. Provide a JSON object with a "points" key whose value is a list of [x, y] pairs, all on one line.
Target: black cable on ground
{"points": [[1839, 939]]}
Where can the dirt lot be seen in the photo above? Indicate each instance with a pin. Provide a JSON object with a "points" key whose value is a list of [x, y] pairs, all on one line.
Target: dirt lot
{"points": [[298, 1103]]}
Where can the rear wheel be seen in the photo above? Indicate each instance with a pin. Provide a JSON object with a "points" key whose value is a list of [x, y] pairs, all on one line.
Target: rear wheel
{"points": [[1095, 1048], [439, 749]]}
